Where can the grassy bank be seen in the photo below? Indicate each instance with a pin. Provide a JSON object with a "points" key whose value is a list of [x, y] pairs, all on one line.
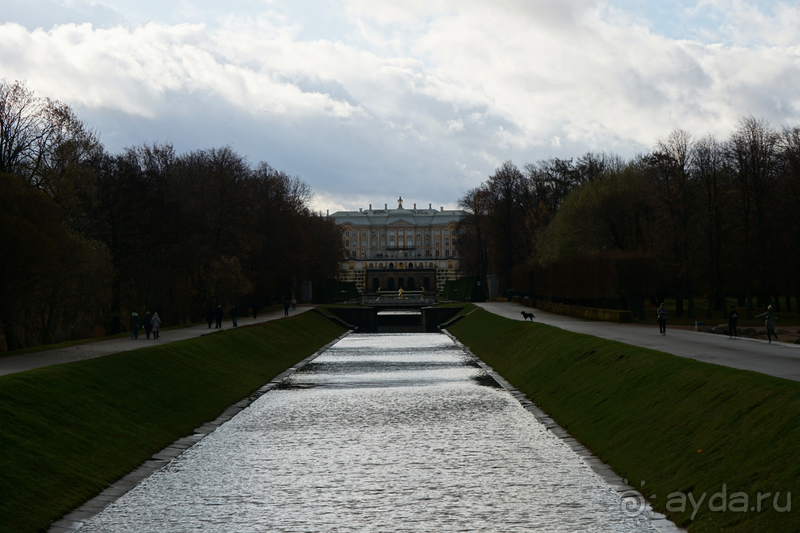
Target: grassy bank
{"points": [[683, 427], [67, 431]]}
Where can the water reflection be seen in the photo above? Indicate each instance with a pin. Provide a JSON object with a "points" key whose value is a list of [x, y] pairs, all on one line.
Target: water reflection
{"points": [[384, 433]]}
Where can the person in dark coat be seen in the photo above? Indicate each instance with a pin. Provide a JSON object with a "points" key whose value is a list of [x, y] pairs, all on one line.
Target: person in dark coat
{"points": [[662, 318], [220, 314], [286, 308], [733, 318], [234, 315], [210, 316], [769, 323], [148, 326], [134, 326]]}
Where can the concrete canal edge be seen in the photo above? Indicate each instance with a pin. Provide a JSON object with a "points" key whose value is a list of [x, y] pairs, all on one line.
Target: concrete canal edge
{"points": [[632, 502], [78, 517]]}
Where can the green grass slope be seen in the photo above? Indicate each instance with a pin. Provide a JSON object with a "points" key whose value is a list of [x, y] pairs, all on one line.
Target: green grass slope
{"points": [[67, 431], [683, 427]]}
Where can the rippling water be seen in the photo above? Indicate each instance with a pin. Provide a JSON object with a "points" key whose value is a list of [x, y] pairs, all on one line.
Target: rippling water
{"points": [[383, 433]]}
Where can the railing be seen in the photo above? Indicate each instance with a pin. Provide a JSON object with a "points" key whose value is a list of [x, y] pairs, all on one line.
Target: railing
{"points": [[399, 298]]}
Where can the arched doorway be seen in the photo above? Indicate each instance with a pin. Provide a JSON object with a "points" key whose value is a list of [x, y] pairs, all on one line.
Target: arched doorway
{"points": [[426, 283], [401, 283], [376, 284], [411, 284], [390, 284], [391, 266]]}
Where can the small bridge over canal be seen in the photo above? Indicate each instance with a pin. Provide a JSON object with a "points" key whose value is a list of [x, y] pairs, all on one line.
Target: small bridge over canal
{"points": [[396, 312]]}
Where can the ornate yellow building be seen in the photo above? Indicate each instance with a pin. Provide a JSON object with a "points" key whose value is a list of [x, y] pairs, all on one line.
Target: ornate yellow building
{"points": [[393, 249]]}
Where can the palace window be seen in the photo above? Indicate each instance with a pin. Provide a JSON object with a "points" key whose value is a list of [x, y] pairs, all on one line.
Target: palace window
{"points": [[391, 243], [447, 253], [436, 232], [374, 241], [383, 242], [347, 243], [437, 253], [427, 242], [454, 241], [419, 242], [391, 232], [437, 242], [383, 233], [447, 242], [347, 233]]}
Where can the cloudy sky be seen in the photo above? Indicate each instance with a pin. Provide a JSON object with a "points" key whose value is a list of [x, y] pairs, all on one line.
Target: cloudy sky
{"points": [[367, 100]]}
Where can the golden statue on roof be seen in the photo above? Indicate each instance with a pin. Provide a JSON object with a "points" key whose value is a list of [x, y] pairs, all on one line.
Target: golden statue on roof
{"points": [[400, 203]]}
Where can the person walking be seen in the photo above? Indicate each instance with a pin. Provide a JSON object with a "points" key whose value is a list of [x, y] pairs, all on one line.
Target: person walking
{"points": [[220, 313], [210, 316], [156, 322], [233, 315], [286, 308], [769, 323], [148, 326], [733, 318], [134, 326], [294, 304], [662, 319]]}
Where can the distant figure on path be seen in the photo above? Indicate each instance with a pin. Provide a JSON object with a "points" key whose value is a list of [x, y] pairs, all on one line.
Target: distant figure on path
{"points": [[148, 326], [220, 314], [210, 316], [156, 325], [733, 317], [662, 319], [286, 308], [233, 315], [134, 326], [769, 323], [294, 304]]}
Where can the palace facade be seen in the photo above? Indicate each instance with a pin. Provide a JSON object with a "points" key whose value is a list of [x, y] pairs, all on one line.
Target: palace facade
{"points": [[391, 249]]}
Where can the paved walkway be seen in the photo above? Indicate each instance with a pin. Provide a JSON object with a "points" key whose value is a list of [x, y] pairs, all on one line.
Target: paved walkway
{"points": [[79, 352], [777, 359]]}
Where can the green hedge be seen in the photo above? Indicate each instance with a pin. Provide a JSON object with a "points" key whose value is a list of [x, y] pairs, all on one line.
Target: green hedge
{"points": [[465, 289], [590, 313]]}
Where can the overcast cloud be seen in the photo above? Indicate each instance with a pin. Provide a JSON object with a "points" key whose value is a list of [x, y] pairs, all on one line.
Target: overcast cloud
{"points": [[370, 100]]}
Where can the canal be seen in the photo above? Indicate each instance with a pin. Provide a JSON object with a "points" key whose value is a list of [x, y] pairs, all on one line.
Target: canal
{"points": [[383, 433]]}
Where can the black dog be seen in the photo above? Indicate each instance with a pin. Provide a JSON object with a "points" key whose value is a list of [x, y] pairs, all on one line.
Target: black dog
{"points": [[526, 316]]}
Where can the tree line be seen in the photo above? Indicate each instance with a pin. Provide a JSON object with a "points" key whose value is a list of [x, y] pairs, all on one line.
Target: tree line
{"points": [[88, 236], [711, 217]]}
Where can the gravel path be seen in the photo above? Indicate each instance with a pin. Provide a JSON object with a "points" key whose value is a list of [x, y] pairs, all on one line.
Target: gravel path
{"points": [[777, 359], [20, 363]]}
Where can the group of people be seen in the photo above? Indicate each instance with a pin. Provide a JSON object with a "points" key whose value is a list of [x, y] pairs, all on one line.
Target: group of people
{"points": [[733, 319], [219, 314], [150, 324]]}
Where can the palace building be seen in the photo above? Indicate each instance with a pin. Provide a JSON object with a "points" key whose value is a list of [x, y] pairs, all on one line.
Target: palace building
{"points": [[392, 249]]}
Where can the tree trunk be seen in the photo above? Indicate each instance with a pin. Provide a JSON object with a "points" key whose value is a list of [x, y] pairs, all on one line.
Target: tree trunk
{"points": [[12, 341]]}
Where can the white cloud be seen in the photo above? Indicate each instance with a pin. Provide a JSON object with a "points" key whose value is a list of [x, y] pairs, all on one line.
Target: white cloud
{"points": [[416, 98]]}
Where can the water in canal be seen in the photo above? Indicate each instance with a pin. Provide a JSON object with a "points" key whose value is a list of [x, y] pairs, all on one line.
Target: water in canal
{"points": [[383, 433]]}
